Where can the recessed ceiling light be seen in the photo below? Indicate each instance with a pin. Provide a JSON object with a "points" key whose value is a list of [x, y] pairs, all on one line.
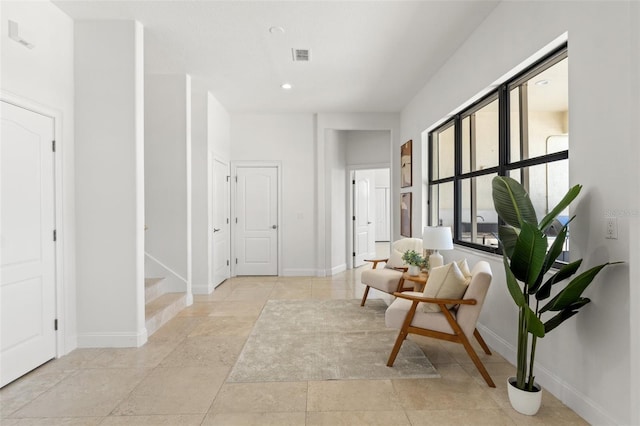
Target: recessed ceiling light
{"points": [[286, 86], [276, 30], [542, 82]]}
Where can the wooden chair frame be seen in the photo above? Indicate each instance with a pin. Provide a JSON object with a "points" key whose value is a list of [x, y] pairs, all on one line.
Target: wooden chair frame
{"points": [[400, 287], [457, 337]]}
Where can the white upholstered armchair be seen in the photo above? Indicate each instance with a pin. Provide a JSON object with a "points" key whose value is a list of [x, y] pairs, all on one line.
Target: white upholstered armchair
{"points": [[409, 314], [389, 279]]}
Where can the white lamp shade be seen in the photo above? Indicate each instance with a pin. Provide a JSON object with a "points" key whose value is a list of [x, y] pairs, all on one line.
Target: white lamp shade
{"points": [[437, 238]]}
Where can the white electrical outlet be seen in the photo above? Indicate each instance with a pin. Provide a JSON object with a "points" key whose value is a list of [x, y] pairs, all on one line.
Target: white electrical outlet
{"points": [[611, 228]]}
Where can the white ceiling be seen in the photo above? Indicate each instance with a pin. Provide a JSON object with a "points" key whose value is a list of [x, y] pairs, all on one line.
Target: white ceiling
{"points": [[366, 56]]}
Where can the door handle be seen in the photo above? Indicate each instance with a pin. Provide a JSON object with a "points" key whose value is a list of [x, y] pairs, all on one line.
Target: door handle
{"points": [[215, 229], [274, 226]]}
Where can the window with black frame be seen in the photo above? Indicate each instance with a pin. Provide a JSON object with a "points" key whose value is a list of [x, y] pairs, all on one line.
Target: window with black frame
{"points": [[520, 130]]}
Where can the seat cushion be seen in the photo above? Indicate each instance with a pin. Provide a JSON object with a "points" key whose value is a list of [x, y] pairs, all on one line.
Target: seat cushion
{"points": [[445, 282], [382, 279], [397, 312]]}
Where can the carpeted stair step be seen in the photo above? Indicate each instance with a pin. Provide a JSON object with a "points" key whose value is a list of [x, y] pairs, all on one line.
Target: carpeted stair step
{"points": [[153, 288], [160, 310]]}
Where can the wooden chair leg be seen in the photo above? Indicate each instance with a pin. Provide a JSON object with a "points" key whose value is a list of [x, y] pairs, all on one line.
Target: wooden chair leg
{"points": [[476, 360], [402, 335], [480, 340], [364, 297], [396, 348]]}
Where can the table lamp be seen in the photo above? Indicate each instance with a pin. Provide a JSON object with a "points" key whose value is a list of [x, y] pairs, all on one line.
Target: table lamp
{"points": [[437, 238]]}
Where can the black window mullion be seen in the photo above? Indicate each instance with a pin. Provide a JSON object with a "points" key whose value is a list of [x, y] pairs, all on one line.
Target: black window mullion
{"points": [[457, 196], [503, 130]]}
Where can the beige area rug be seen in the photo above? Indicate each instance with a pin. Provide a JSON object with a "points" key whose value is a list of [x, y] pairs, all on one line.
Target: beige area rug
{"points": [[303, 340]]}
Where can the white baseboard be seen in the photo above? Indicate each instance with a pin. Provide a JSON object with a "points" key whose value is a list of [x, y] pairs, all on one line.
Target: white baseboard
{"points": [[338, 269], [569, 396], [299, 273], [202, 288], [112, 340], [70, 343]]}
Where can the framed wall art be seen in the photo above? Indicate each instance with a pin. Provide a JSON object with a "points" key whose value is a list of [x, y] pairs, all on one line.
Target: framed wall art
{"points": [[405, 214], [405, 164]]}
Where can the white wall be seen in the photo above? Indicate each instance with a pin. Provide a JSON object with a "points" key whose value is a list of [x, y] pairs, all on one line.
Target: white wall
{"points": [[27, 76], [109, 130], [367, 147], [218, 148], [337, 194], [167, 166], [634, 222], [349, 121], [218, 129], [586, 362], [199, 187], [287, 138]]}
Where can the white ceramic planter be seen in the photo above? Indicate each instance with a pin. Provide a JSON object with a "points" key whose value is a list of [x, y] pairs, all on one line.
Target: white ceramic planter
{"points": [[522, 401], [414, 270]]}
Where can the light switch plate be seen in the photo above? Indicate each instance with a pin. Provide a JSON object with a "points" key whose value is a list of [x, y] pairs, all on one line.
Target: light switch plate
{"points": [[611, 228]]}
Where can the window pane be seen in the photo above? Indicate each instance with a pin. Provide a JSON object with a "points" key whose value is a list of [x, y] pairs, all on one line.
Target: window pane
{"points": [[546, 184], [467, 155], [479, 218], [514, 124], [480, 139], [443, 153], [539, 114], [442, 204]]}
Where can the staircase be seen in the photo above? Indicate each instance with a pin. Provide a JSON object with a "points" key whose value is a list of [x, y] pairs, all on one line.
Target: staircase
{"points": [[160, 306]]}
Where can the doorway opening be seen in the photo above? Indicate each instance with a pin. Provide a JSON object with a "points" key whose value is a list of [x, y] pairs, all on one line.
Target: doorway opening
{"points": [[370, 214]]}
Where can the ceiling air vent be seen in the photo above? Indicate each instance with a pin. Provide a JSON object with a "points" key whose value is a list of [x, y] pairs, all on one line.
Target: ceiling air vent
{"points": [[301, 55]]}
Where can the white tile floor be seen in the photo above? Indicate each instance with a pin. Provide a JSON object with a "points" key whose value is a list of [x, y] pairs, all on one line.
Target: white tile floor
{"points": [[179, 377]]}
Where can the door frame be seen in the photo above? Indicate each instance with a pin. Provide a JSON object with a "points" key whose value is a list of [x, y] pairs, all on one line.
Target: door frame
{"points": [[235, 165], [212, 158], [350, 207], [59, 215]]}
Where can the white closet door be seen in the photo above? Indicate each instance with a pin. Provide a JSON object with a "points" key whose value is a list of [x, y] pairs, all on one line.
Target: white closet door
{"points": [[27, 250]]}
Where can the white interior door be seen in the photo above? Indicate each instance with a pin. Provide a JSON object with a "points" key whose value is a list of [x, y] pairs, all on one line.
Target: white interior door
{"points": [[257, 221], [27, 250], [364, 243], [221, 232], [383, 223]]}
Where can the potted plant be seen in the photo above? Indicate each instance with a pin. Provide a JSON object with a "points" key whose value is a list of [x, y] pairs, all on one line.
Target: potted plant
{"points": [[527, 258], [414, 260]]}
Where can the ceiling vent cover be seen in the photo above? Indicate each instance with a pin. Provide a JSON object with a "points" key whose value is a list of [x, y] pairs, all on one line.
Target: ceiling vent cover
{"points": [[301, 55]]}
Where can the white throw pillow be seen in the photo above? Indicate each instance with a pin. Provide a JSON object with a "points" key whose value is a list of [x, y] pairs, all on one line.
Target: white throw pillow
{"points": [[445, 282], [395, 260], [464, 268]]}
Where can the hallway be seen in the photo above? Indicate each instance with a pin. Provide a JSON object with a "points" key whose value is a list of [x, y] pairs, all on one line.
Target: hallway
{"points": [[179, 376]]}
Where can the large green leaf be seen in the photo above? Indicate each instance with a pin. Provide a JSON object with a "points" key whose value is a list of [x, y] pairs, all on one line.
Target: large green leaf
{"points": [[563, 204], [558, 319], [571, 293], [552, 255], [528, 255], [534, 325], [565, 272], [512, 284], [508, 236], [512, 202]]}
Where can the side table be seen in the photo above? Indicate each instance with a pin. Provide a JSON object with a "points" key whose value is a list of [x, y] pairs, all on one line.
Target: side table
{"points": [[419, 281]]}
